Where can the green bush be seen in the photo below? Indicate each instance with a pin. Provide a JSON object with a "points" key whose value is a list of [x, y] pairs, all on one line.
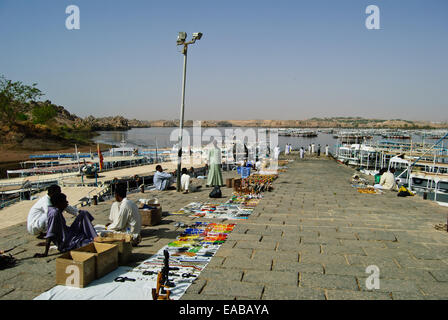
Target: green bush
{"points": [[21, 116], [44, 113]]}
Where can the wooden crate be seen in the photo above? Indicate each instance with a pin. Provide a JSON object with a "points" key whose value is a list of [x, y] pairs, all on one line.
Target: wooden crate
{"points": [[151, 217], [237, 184]]}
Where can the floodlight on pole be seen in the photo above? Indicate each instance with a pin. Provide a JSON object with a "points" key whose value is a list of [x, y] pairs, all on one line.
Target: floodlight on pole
{"points": [[181, 38]]}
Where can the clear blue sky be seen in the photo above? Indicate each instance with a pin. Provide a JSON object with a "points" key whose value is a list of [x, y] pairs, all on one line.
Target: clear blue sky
{"points": [[257, 59]]}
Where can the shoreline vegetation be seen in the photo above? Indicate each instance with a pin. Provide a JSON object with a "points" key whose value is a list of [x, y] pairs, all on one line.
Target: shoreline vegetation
{"points": [[30, 126]]}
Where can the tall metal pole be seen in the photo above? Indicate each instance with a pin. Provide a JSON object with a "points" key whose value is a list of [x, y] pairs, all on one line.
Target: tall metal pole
{"points": [[181, 121]]}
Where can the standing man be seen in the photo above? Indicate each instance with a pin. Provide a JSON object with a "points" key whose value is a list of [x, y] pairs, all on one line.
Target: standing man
{"points": [[318, 150], [313, 148], [276, 152], [37, 216], [234, 152], [125, 216], [301, 152], [214, 163], [326, 150]]}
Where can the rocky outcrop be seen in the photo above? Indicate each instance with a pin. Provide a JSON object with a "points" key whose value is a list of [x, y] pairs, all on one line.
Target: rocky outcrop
{"points": [[103, 124]]}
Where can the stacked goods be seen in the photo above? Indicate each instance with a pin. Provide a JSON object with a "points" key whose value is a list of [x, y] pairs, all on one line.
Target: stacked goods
{"points": [[124, 243], [256, 184], [150, 211], [246, 201]]}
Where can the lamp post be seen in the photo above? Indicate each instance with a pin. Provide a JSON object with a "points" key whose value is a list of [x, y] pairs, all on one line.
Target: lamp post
{"points": [[181, 42]]}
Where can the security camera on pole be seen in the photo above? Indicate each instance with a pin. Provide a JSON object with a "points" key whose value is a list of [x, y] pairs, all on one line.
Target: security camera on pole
{"points": [[181, 41]]}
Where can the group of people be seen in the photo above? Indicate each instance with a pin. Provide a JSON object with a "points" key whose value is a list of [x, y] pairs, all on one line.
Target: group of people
{"points": [[288, 149], [312, 150], [46, 221], [164, 180]]}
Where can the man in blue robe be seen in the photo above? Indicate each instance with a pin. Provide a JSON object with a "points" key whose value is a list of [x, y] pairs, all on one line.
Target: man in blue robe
{"points": [[162, 180], [66, 238]]}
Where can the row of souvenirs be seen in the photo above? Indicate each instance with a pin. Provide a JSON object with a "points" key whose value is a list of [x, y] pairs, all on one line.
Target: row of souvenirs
{"points": [[193, 249], [240, 206], [256, 184], [184, 258]]}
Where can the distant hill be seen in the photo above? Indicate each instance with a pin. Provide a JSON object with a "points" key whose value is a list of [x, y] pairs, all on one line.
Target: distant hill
{"points": [[337, 122]]}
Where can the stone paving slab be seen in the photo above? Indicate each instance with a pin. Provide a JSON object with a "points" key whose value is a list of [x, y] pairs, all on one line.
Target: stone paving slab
{"points": [[282, 292]]}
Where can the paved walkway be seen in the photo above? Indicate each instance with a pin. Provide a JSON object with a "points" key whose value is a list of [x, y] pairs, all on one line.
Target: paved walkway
{"points": [[315, 235], [311, 238]]}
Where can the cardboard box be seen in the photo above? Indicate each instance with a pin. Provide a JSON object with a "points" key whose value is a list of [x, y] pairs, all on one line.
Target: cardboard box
{"points": [[75, 269], [151, 217], [106, 257], [123, 241], [229, 182]]}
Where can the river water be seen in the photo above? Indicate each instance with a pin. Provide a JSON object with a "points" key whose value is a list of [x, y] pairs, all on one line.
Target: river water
{"points": [[167, 137]]}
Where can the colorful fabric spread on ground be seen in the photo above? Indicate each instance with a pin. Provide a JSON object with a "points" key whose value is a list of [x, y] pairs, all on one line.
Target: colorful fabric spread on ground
{"points": [[369, 190]]}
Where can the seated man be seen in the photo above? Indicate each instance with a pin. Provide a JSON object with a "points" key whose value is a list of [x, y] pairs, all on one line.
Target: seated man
{"points": [[66, 238], [125, 216], [192, 173], [185, 182], [387, 181], [162, 180], [378, 176], [37, 217]]}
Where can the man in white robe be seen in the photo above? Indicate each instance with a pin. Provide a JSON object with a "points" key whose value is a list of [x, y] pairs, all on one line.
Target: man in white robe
{"points": [[37, 222], [387, 181], [125, 216]]}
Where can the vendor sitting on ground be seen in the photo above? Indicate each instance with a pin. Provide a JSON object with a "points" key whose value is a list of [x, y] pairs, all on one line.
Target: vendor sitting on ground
{"points": [[378, 176], [387, 181], [162, 180], [125, 216], [66, 238], [37, 216], [185, 180], [192, 173]]}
